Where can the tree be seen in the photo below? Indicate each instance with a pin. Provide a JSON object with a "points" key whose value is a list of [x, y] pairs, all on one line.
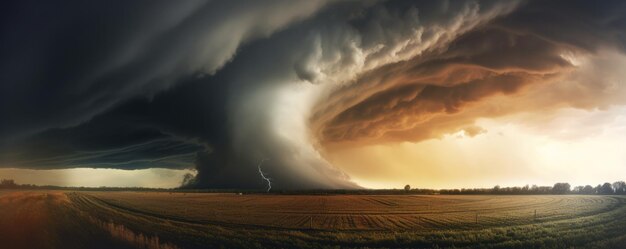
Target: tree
{"points": [[496, 188], [407, 188], [534, 189], [588, 190], [578, 189], [561, 188], [619, 187], [606, 189], [7, 183]]}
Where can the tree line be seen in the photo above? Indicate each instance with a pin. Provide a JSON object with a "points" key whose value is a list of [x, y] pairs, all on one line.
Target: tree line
{"points": [[561, 188], [11, 184], [616, 188]]}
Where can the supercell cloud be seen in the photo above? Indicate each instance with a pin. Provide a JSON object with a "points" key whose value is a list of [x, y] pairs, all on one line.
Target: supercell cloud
{"points": [[218, 86]]}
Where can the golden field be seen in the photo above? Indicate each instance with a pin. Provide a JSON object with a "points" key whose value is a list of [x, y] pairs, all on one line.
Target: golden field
{"points": [[66, 219]]}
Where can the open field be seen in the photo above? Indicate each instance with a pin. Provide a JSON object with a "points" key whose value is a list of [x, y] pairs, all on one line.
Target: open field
{"points": [[197, 220]]}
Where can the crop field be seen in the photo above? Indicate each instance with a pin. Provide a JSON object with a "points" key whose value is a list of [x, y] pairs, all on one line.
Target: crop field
{"points": [[201, 220]]}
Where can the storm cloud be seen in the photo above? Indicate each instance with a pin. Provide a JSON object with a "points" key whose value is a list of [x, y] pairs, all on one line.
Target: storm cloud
{"points": [[539, 59], [219, 86]]}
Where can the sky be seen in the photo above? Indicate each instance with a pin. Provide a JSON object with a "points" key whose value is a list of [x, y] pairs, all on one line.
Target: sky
{"points": [[315, 94]]}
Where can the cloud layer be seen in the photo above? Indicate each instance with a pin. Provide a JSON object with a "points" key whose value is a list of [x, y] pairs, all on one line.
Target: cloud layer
{"points": [[434, 93], [220, 86]]}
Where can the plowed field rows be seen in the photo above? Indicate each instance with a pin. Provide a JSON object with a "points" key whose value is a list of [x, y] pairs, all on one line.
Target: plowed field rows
{"points": [[356, 212], [162, 220]]}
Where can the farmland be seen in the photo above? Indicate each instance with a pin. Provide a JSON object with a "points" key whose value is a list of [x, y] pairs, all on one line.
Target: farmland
{"points": [[202, 220]]}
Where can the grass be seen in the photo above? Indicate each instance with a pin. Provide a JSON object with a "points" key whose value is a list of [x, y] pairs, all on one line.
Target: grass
{"points": [[195, 220], [42, 219]]}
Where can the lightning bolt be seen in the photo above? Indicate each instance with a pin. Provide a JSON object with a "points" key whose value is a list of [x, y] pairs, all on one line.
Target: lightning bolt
{"points": [[269, 180]]}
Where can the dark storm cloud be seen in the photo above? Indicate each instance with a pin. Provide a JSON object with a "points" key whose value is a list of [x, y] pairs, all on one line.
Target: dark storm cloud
{"points": [[409, 101], [475, 66], [271, 118], [80, 81], [220, 86], [64, 63], [140, 133], [580, 24]]}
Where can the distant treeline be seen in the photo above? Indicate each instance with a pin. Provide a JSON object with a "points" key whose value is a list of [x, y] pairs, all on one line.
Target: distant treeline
{"points": [[616, 188], [11, 184]]}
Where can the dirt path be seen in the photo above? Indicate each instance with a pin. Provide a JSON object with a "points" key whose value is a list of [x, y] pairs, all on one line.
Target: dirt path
{"points": [[46, 220], [25, 219]]}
